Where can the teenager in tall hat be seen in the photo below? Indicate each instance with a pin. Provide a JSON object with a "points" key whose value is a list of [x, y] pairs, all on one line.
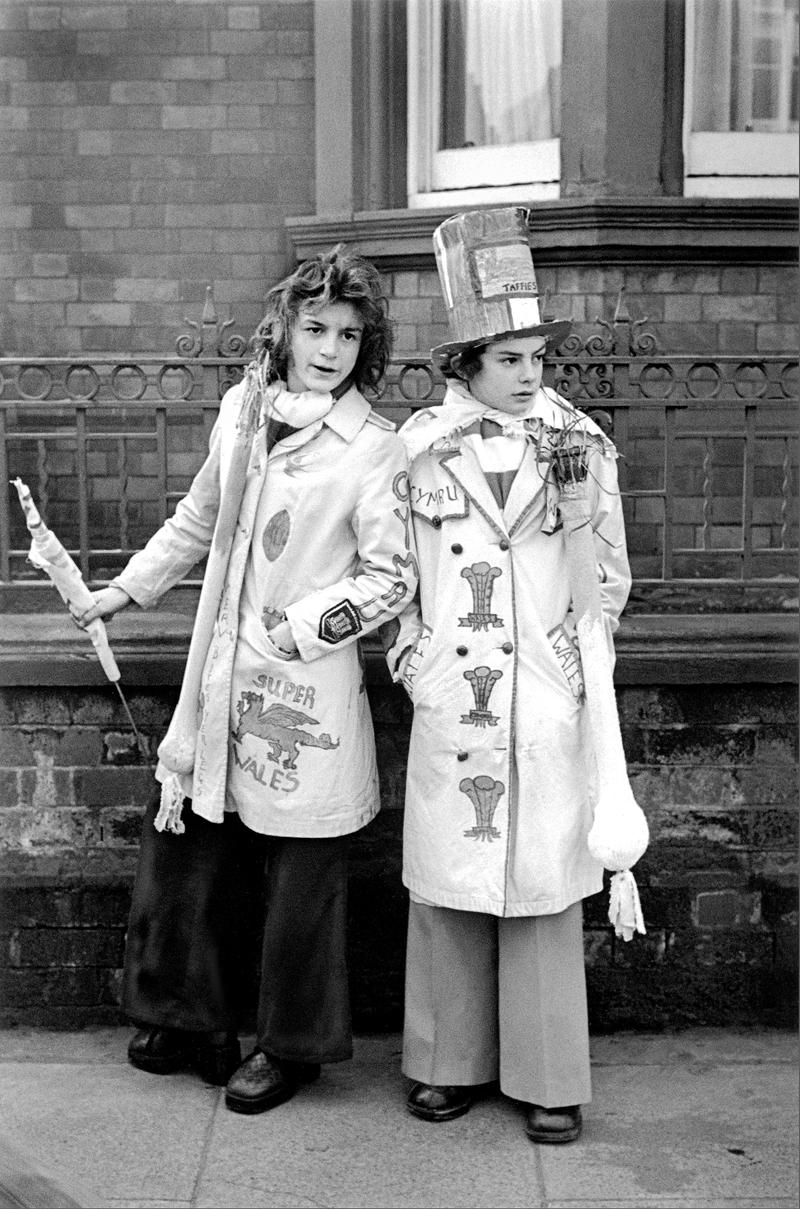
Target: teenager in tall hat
{"points": [[502, 784]]}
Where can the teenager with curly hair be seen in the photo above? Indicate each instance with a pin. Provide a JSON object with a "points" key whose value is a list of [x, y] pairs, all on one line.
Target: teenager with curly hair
{"points": [[268, 765]]}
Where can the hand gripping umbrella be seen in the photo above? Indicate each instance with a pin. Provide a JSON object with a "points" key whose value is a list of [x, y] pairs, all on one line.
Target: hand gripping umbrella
{"points": [[619, 834], [48, 554]]}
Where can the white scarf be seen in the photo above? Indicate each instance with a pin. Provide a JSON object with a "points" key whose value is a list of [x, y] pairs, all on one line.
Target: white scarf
{"points": [[460, 409], [285, 407]]}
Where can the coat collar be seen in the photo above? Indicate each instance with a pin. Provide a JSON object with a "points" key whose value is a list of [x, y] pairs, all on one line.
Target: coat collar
{"points": [[348, 415], [440, 432], [527, 495], [462, 465], [346, 418]]}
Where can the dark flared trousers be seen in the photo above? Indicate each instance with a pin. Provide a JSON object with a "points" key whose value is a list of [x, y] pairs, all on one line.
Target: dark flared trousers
{"points": [[192, 914]]}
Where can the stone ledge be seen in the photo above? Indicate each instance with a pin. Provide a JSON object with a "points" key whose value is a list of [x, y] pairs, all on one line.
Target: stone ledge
{"points": [[39, 649], [569, 231]]}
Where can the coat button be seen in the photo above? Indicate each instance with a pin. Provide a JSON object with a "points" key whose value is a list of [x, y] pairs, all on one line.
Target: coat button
{"points": [[507, 648], [462, 756], [457, 548], [436, 521], [461, 650], [504, 544]]}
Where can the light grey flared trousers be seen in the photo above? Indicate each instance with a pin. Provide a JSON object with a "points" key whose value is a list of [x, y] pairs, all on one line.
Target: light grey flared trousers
{"points": [[490, 998]]}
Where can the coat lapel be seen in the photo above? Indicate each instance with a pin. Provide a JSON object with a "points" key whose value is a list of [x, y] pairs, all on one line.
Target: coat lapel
{"points": [[527, 495], [463, 466]]}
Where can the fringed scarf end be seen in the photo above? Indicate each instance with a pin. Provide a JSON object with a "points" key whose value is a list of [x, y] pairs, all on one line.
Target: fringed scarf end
{"points": [[624, 908], [169, 812]]}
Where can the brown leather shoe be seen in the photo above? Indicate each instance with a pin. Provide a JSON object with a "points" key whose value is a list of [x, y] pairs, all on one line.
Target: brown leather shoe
{"points": [[553, 1124], [161, 1051], [432, 1103], [264, 1082]]}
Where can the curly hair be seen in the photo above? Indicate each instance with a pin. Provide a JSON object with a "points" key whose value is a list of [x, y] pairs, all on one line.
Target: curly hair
{"points": [[334, 276]]}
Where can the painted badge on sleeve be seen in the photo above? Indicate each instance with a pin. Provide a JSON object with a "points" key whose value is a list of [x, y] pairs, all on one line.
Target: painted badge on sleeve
{"points": [[339, 622], [484, 793]]}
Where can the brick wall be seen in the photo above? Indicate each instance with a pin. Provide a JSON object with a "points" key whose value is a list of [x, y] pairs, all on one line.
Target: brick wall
{"points": [[715, 309], [146, 149], [714, 769], [149, 148]]}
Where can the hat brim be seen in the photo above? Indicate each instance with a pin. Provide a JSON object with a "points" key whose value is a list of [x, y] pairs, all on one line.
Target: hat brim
{"points": [[552, 331]]}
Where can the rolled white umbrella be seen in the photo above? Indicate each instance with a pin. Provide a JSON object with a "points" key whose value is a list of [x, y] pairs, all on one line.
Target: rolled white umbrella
{"points": [[49, 555]]}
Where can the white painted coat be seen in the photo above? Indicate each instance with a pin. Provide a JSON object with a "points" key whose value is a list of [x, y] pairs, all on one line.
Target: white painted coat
{"points": [[499, 787], [334, 557]]}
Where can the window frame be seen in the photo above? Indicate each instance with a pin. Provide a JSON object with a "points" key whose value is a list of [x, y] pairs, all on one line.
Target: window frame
{"points": [[714, 161], [460, 176]]}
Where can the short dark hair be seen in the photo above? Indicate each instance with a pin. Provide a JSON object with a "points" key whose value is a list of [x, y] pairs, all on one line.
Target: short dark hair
{"points": [[334, 276], [465, 363]]}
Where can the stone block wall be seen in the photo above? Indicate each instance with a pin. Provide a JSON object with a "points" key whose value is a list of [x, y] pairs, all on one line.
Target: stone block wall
{"points": [[147, 149], [714, 769], [718, 309]]}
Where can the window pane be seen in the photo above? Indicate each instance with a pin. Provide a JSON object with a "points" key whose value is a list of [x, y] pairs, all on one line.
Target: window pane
{"points": [[745, 68], [500, 72]]}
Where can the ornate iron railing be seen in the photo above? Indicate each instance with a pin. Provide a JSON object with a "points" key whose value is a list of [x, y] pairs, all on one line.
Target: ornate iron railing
{"points": [[708, 464]]}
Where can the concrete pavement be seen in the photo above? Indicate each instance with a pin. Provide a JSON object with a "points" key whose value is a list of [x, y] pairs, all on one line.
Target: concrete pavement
{"points": [[700, 1119]]}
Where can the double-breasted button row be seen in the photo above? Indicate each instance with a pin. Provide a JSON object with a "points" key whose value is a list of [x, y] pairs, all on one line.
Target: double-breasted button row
{"points": [[457, 548], [506, 648]]}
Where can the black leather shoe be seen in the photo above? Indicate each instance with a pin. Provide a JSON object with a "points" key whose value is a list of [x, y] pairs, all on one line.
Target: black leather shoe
{"points": [[553, 1124], [161, 1051], [438, 1103], [263, 1082], [217, 1056]]}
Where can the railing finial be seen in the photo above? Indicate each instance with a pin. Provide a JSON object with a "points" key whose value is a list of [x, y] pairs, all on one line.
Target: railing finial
{"points": [[621, 314], [208, 333], [209, 309], [544, 309]]}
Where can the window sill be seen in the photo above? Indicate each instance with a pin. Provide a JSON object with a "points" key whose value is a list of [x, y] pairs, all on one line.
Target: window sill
{"points": [[741, 186], [507, 195]]}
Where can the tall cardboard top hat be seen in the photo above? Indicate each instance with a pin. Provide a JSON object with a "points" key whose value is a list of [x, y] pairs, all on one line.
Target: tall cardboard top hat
{"points": [[488, 281]]}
